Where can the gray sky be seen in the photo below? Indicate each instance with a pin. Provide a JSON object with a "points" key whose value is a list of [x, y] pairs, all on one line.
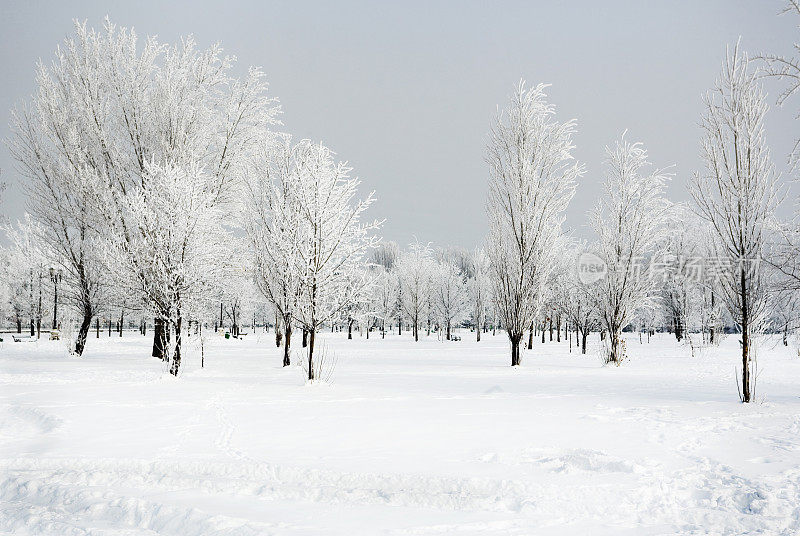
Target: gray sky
{"points": [[405, 91]]}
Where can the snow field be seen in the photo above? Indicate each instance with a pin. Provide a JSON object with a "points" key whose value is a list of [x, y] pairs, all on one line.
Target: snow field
{"points": [[409, 438]]}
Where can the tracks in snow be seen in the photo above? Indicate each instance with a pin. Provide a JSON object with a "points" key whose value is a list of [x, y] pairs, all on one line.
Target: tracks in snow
{"points": [[52, 495]]}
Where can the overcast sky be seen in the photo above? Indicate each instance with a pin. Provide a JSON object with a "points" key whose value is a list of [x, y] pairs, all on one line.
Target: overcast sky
{"points": [[405, 91]]}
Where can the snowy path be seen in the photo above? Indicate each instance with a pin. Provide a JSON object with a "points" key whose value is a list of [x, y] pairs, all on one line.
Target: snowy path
{"points": [[427, 438]]}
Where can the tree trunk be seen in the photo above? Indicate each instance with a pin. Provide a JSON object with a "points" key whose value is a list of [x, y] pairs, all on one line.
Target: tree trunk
{"points": [[746, 395], [311, 355], [544, 325], [97, 326], [159, 339], [558, 328], [349, 329], [176, 360], [39, 309], [121, 322], [478, 331], [713, 318], [515, 340], [305, 337], [86, 324], [615, 357], [584, 336], [287, 341]]}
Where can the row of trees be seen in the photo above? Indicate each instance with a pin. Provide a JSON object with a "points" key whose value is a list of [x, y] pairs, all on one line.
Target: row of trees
{"points": [[426, 289], [158, 184], [735, 198]]}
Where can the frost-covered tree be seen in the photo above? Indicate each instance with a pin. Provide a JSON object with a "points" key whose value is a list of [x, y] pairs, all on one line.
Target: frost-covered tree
{"points": [[369, 314], [29, 264], [531, 182], [629, 219], [785, 317], [581, 310], [737, 194], [558, 287], [176, 255], [385, 292], [272, 221], [357, 311], [572, 298], [786, 69], [386, 254], [333, 240], [712, 312], [53, 156], [237, 288], [784, 256], [450, 296], [415, 270], [14, 280], [562, 279], [479, 286], [460, 257], [107, 109], [679, 265]]}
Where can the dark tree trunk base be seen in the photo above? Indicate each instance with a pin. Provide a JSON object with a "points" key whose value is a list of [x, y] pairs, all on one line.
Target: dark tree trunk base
{"points": [[83, 332], [515, 354], [159, 339], [287, 344], [311, 371]]}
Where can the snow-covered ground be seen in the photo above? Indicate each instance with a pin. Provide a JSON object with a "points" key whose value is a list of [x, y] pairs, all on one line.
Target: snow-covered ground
{"points": [[409, 438]]}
